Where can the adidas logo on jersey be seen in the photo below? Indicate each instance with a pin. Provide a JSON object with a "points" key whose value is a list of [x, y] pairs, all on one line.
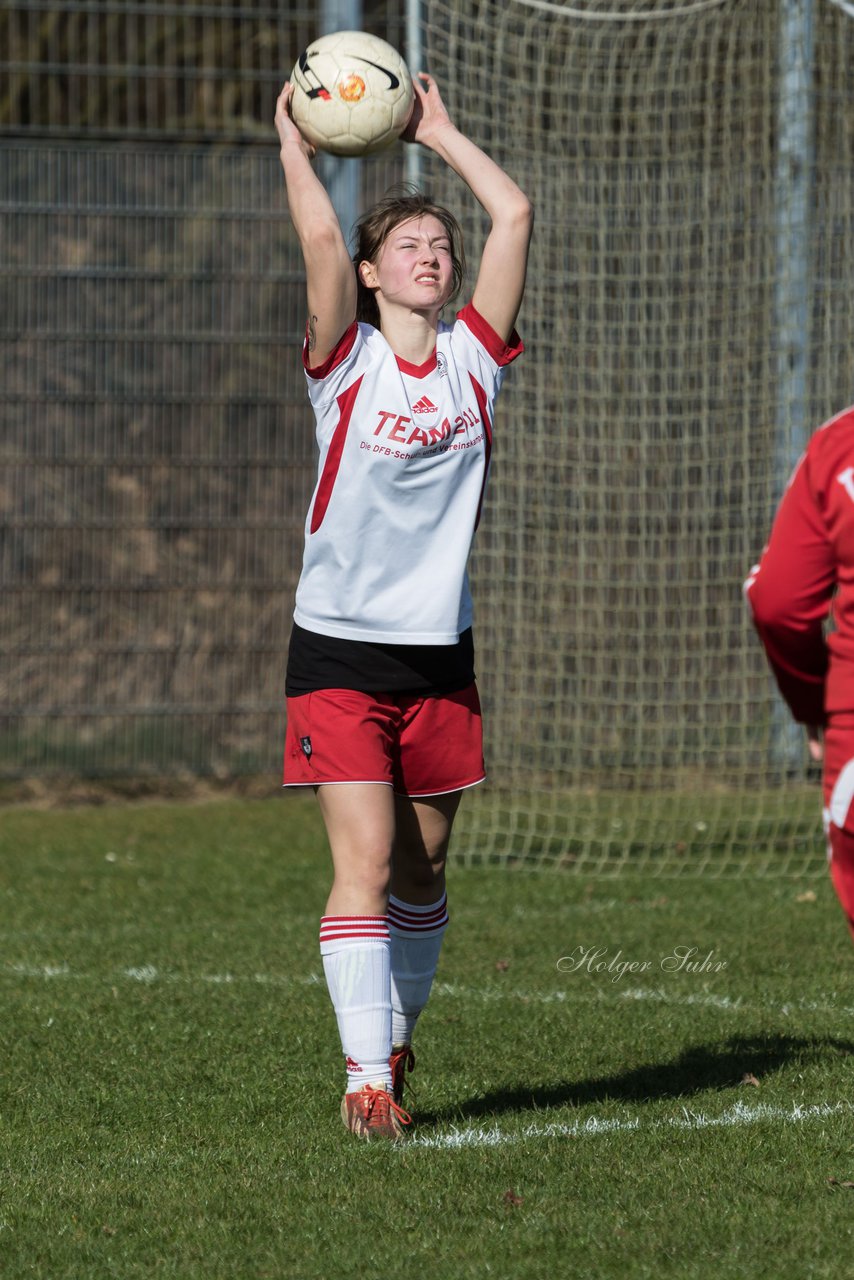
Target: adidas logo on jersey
{"points": [[424, 405]]}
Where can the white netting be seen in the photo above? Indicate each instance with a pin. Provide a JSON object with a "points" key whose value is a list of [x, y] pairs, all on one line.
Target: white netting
{"points": [[643, 441]]}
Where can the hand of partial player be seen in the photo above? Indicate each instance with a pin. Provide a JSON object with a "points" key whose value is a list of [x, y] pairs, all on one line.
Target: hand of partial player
{"points": [[814, 742], [429, 113], [287, 130]]}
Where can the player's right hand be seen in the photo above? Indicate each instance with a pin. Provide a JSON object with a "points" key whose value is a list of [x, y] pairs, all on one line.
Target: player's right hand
{"points": [[288, 132]]}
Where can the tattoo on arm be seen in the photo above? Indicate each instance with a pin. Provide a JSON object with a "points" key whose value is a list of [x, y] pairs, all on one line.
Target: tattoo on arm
{"points": [[312, 332]]}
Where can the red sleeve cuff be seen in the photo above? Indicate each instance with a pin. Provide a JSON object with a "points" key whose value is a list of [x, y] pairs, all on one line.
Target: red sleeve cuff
{"points": [[501, 352]]}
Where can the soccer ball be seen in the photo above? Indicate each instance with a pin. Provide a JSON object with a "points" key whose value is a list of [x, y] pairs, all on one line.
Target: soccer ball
{"points": [[352, 93]]}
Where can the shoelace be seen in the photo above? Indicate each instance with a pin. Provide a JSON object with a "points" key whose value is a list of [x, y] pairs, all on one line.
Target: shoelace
{"points": [[406, 1055], [379, 1098], [405, 1060]]}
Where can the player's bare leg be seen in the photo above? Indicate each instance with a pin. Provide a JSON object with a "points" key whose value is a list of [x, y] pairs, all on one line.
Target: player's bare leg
{"points": [[355, 946], [417, 916], [422, 835], [360, 825]]}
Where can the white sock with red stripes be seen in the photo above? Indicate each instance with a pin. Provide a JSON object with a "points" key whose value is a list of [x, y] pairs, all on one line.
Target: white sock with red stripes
{"points": [[355, 952], [416, 939]]}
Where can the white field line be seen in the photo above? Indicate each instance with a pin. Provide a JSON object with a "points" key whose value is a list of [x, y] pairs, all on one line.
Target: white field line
{"points": [[38, 971], [562, 996], [658, 995], [148, 974], [738, 1115]]}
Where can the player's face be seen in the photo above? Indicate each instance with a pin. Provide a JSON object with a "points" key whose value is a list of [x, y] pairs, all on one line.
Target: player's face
{"points": [[414, 267]]}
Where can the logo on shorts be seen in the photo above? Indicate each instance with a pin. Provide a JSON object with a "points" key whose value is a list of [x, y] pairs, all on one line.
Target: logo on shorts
{"points": [[305, 743]]}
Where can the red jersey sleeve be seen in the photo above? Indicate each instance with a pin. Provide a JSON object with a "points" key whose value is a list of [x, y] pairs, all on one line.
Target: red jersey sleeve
{"points": [[503, 353], [336, 356], [789, 594]]}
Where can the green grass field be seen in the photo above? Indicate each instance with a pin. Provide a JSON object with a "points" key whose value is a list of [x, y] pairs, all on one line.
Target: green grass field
{"points": [[171, 1075]]}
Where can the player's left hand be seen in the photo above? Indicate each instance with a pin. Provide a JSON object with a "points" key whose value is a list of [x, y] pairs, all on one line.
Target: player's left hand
{"points": [[429, 113], [814, 742]]}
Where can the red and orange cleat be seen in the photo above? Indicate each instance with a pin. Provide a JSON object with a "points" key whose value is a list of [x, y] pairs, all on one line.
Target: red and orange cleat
{"points": [[402, 1060], [373, 1113]]}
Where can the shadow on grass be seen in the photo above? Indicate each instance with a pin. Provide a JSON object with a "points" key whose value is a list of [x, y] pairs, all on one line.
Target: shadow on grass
{"points": [[696, 1070]]}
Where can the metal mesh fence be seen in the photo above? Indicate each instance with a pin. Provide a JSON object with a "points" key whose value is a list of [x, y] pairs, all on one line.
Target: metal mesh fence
{"points": [[154, 68], [156, 445]]}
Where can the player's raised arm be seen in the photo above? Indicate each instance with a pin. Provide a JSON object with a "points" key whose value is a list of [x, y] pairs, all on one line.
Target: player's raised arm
{"points": [[501, 278], [330, 278]]}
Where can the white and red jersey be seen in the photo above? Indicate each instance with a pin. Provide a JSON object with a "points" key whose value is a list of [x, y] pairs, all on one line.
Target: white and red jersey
{"points": [[404, 459], [806, 572]]}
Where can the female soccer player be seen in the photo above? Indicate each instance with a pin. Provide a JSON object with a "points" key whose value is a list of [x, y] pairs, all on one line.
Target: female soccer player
{"points": [[807, 570], [383, 712]]}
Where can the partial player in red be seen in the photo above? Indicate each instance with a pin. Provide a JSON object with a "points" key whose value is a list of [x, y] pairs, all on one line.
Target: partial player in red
{"points": [[383, 713], [805, 575]]}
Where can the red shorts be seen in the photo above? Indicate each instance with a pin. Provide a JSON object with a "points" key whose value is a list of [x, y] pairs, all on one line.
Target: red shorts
{"points": [[418, 746]]}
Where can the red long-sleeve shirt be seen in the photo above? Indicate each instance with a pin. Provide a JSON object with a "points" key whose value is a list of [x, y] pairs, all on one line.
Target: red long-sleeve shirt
{"points": [[806, 573]]}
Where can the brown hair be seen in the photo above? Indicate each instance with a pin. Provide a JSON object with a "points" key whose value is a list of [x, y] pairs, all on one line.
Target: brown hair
{"points": [[378, 223]]}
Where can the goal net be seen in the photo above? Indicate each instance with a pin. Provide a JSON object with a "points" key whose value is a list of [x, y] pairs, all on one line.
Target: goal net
{"points": [[687, 323]]}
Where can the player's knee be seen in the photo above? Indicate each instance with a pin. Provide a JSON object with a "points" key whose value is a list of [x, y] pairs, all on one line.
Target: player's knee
{"points": [[365, 872], [419, 866]]}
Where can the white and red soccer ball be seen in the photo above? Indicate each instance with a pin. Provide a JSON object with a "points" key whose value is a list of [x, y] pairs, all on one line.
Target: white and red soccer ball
{"points": [[352, 93]]}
